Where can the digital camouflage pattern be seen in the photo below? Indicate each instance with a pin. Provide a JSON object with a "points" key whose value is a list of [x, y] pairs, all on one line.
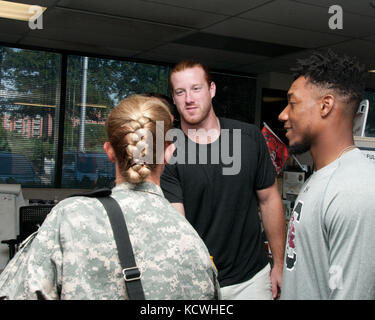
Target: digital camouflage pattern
{"points": [[74, 254]]}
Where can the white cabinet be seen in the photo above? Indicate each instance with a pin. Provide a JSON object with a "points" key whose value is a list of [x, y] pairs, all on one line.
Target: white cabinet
{"points": [[11, 199]]}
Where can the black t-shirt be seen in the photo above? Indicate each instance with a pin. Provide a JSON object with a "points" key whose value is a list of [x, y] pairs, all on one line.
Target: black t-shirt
{"points": [[223, 208]]}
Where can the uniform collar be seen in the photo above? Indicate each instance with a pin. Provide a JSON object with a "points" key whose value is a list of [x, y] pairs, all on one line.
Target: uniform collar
{"points": [[145, 186]]}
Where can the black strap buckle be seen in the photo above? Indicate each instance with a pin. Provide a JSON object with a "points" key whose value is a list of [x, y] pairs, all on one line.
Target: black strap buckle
{"points": [[131, 274]]}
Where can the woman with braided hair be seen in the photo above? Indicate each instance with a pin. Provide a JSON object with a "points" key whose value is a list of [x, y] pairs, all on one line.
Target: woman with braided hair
{"points": [[74, 254], [131, 131]]}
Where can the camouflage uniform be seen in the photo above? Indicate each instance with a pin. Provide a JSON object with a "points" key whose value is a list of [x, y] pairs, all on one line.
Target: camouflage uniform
{"points": [[74, 254]]}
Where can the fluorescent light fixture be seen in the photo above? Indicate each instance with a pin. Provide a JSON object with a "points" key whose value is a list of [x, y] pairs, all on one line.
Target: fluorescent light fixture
{"points": [[34, 104], [274, 99], [18, 11], [54, 106], [92, 106], [372, 71]]}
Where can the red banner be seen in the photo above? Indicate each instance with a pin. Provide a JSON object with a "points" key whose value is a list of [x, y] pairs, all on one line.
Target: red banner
{"points": [[278, 150]]}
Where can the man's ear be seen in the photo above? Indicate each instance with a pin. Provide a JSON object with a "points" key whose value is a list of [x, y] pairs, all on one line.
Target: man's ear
{"points": [[109, 151], [172, 95], [212, 89], [327, 104], [169, 148]]}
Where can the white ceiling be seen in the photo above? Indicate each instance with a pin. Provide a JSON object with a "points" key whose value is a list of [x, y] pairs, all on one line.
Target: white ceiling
{"points": [[245, 36]]}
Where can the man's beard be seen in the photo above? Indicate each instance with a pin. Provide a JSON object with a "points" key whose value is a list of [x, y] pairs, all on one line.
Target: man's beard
{"points": [[299, 148], [198, 120]]}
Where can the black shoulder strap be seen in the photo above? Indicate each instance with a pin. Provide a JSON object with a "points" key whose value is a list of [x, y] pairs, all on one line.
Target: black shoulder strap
{"points": [[132, 274]]}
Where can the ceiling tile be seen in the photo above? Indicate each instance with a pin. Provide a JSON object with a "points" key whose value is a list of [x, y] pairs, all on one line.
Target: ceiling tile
{"points": [[120, 52], [151, 29], [217, 6], [58, 44], [362, 7], [173, 59], [147, 11], [212, 41], [11, 38], [89, 38], [79, 47], [268, 65], [43, 3], [310, 17], [363, 50], [371, 38], [212, 57], [14, 26], [102, 26], [169, 58], [262, 31]]}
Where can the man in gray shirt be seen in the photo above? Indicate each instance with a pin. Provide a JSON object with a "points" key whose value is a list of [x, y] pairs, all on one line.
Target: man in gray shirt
{"points": [[330, 250]]}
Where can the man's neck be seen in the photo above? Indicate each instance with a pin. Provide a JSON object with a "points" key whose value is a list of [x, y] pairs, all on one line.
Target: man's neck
{"points": [[330, 151], [332, 140], [204, 132]]}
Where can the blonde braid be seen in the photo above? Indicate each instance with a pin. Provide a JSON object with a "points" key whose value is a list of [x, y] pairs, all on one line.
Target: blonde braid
{"points": [[131, 130], [137, 150]]}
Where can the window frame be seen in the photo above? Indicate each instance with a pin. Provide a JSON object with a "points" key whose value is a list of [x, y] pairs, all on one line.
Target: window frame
{"points": [[60, 115]]}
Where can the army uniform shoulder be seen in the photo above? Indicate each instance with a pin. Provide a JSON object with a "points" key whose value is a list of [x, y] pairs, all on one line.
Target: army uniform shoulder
{"points": [[98, 193]]}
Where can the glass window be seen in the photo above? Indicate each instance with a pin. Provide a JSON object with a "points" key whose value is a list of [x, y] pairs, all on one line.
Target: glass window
{"points": [[370, 124], [235, 97], [94, 87], [29, 102], [30, 105]]}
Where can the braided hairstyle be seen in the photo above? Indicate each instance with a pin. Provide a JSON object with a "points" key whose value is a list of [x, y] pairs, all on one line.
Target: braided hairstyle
{"points": [[131, 130]]}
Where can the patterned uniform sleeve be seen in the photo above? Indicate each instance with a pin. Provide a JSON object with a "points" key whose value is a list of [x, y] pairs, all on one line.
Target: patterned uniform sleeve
{"points": [[217, 294], [35, 270], [171, 185]]}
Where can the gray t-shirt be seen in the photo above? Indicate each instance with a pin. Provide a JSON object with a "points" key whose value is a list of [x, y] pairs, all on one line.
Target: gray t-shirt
{"points": [[330, 249]]}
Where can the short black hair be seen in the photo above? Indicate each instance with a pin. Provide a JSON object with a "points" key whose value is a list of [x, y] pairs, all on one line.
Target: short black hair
{"points": [[329, 70]]}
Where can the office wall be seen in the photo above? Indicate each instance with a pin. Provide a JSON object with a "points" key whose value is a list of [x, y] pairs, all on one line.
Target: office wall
{"points": [[271, 80]]}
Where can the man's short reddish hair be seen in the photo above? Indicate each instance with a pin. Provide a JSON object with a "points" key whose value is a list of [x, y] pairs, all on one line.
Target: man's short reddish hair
{"points": [[188, 64]]}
